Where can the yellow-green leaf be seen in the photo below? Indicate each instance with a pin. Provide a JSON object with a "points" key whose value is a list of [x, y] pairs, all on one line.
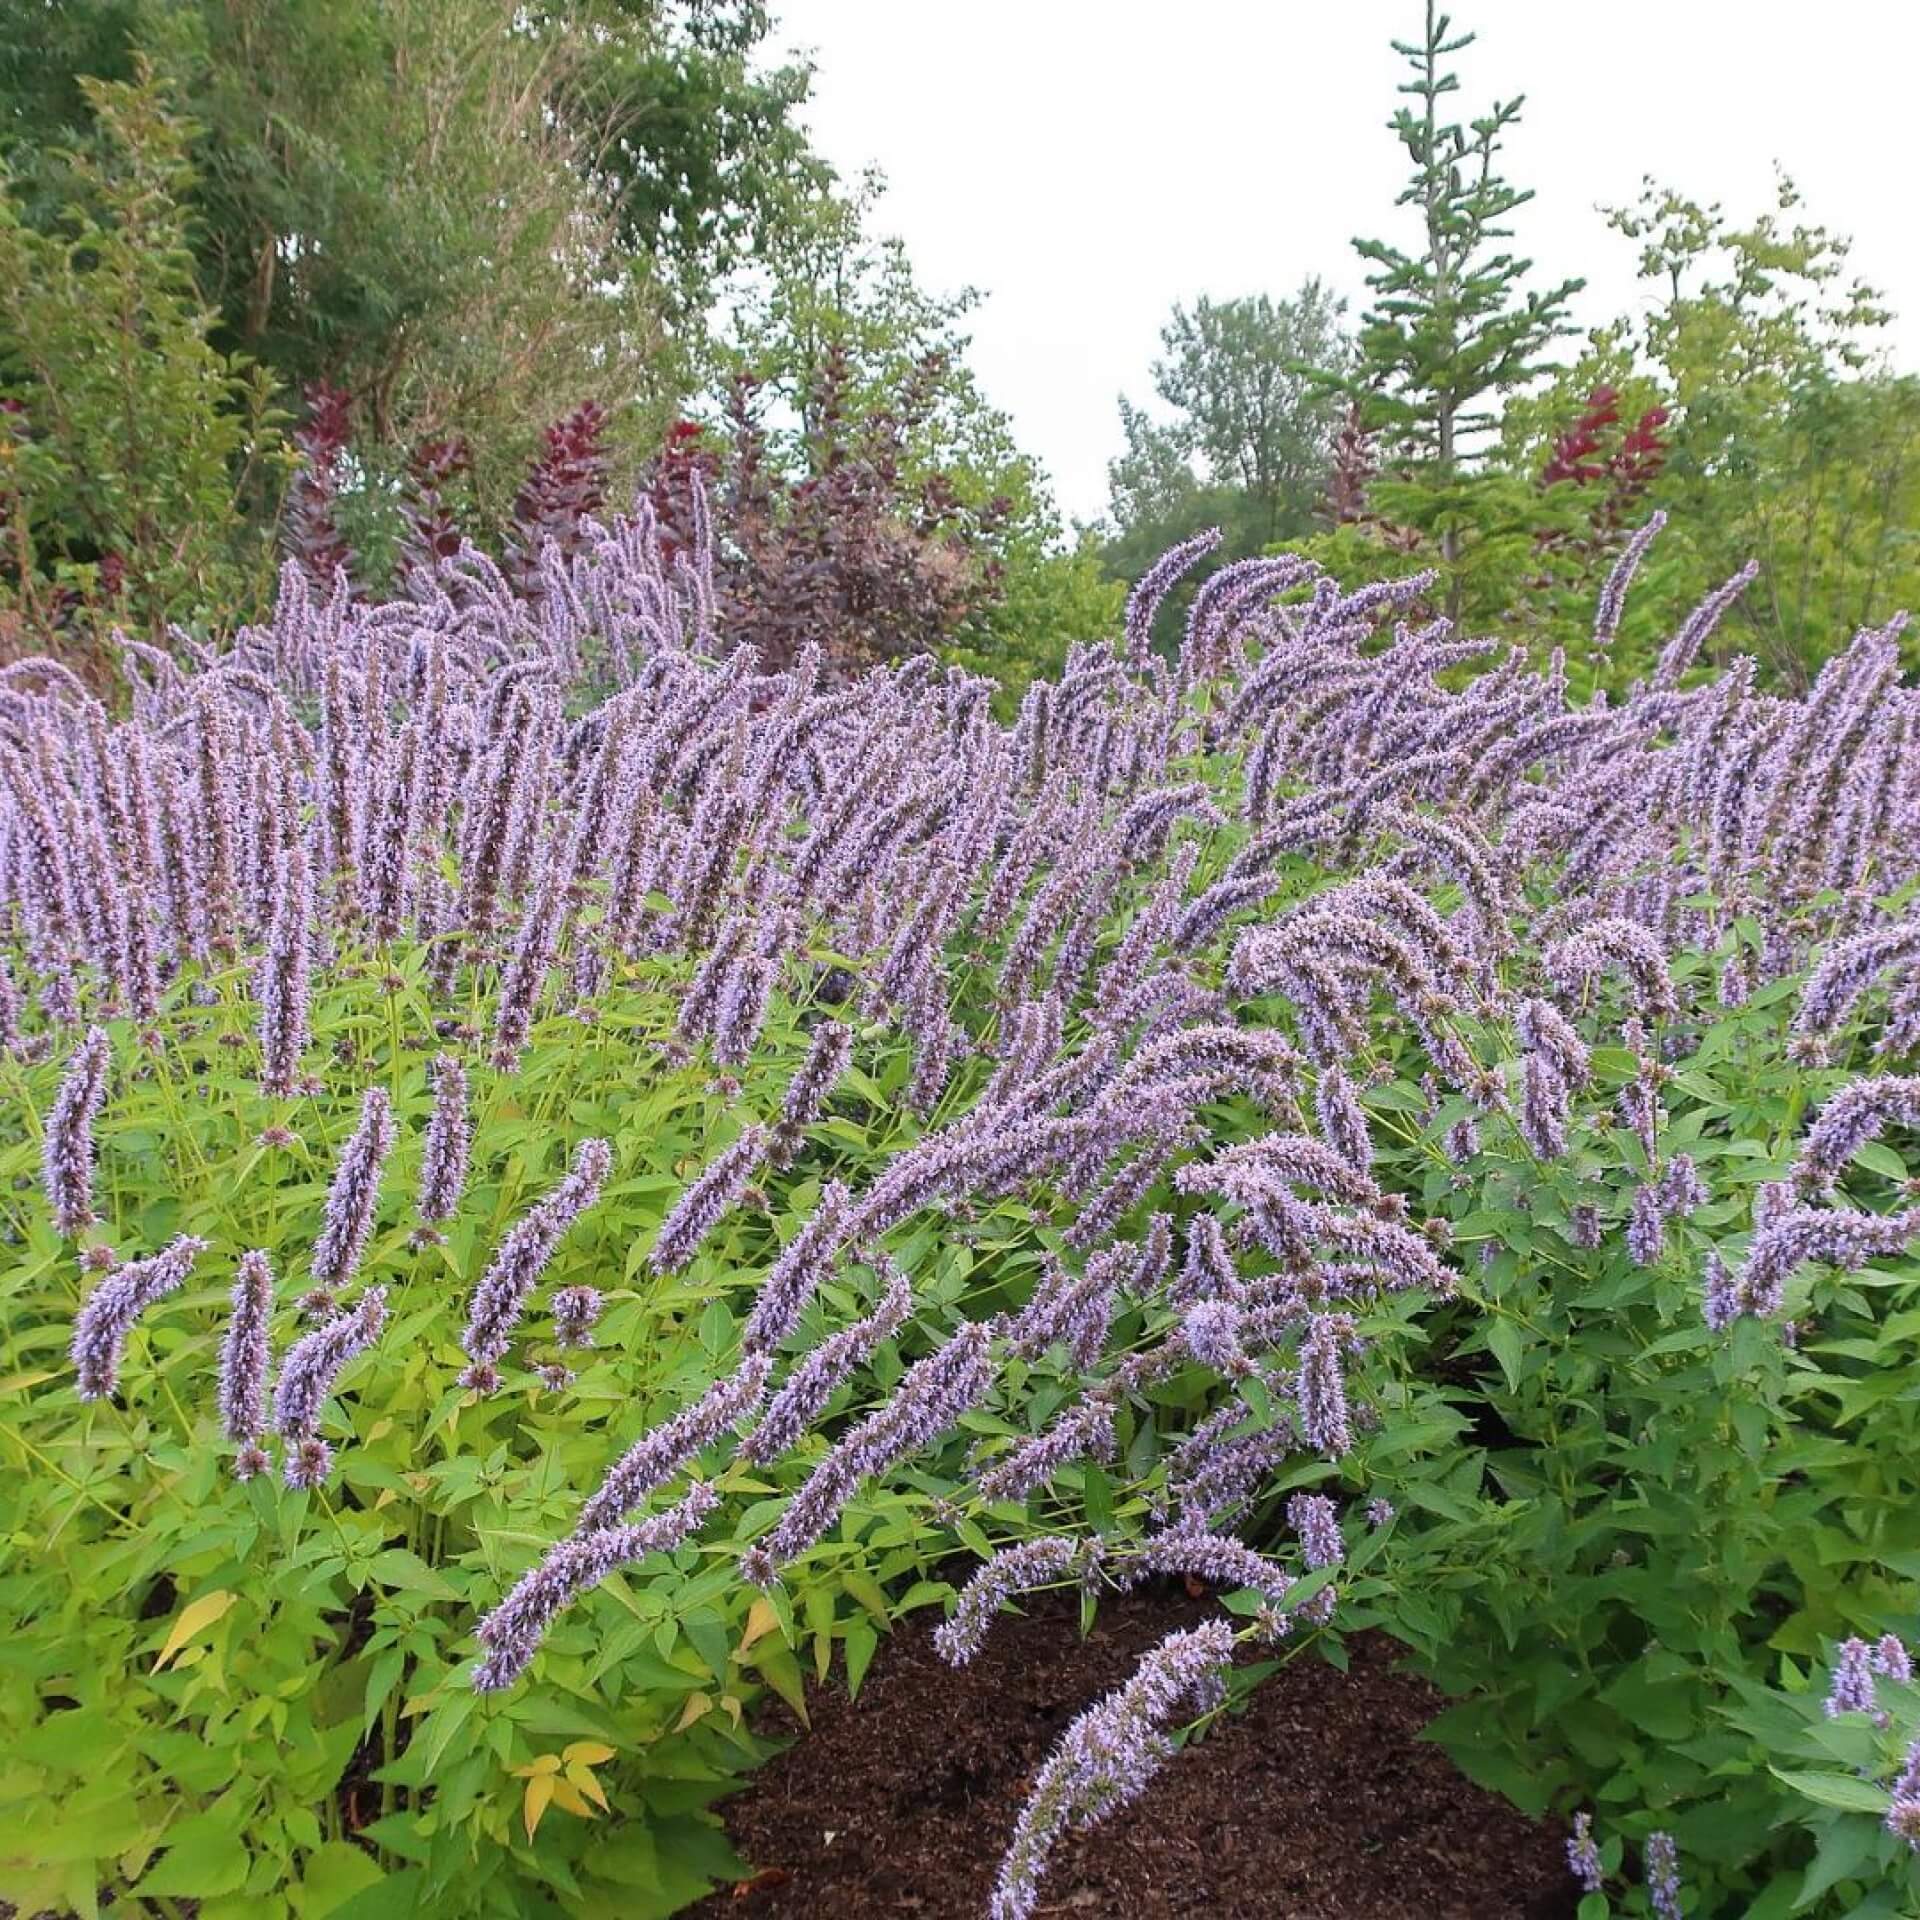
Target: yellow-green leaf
{"points": [[761, 1620], [539, 1794], [195, 1616]]}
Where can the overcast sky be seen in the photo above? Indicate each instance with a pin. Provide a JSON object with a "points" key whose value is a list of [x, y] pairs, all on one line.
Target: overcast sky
{"points": [[1086, 163]]}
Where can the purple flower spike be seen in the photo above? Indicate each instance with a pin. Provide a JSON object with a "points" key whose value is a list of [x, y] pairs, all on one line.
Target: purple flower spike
{"points": [[1852, 1688], [1903, 1816], [1583, 1854], [1034, 1563], [512, 1632], [315, 1362], [67, 1150], [1662, 1863], [703, 1205], [501, 1297], [354, 1198], [576, 1310], [443, 1166], [1312, 1517], [101, 1327], [1324, 1420], [1108, 1756], [1891, 1658], [244, 1353]]}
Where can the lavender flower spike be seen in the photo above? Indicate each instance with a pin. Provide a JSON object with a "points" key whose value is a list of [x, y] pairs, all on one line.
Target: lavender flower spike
{"points": [[501, 1297], [1109, 1755], [354, 1197], [1583, 1854], [314, 1363], [1312, 1517], [512, 1632], [1852, 1687], [661, 1452], [67, 1150], [244, 1352], [1613, 596], [804, 1262], [1033, 1563], [1662, 1863], [443, 1166], [101, 1327], [703, 1204]]}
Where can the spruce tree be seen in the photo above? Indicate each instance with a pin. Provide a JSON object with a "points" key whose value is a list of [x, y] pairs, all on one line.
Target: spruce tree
{"points": [[1453, 325]]}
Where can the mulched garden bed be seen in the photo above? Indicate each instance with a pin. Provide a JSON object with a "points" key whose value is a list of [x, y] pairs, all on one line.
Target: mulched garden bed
{"points": [[1319, 1801]]}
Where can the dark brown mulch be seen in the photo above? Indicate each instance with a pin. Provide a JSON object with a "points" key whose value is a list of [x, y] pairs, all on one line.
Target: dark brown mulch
{"points": [[1319, 1801]]}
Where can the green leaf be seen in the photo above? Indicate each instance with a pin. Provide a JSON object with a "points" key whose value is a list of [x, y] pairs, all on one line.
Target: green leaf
{"points": [[1504, 1342], [334, 1873], [204, 1855], [1838, 1790], [406, 1572]]}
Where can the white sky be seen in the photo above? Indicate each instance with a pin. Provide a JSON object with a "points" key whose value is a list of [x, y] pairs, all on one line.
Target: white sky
{"points": [[1087, 163]]}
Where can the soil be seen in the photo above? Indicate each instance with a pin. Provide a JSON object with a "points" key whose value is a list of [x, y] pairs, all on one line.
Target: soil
{"points": [[1319, 1803]]}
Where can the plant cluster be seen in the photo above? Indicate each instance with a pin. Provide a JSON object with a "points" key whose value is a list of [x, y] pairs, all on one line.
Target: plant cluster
{"points": [[558, 1169]]}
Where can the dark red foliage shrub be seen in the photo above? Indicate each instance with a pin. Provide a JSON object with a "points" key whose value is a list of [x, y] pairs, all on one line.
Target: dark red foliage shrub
{"points": [[1580, 458], [852, 547], [430, 534], [567, 486], [312, 534]]}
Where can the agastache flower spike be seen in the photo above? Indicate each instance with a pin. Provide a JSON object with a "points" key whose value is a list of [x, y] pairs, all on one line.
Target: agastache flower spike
{"points": [[1033, 1563], [932, 1394], [1583, 1854], [1662, 1863], [1890, 1657], [1646, 1228], [244, 1353], [1855, 1115], [1213, 1557], [1797, 1235], [1613, 596], [1852, 1687], [512, 1632], [707, 1200], [661, 1452], [1312, 1517], [1903, 1816], [443, 1166], [813, 1382], [1342, 1118], [501, 1297], [307, 1376], [1144, 602], [1086, 1433], [1209, 1272], [804, 1262], [66, 1153], [1324, 1420], [101, 1327], [354, 1197], [1109, 1755]]}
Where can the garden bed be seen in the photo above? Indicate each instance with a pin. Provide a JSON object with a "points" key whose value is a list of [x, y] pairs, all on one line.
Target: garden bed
{"points": [[1320, 1800]]}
